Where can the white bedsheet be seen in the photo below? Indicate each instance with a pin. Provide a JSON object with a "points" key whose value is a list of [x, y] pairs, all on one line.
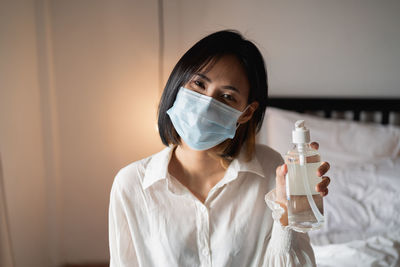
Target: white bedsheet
{"points": [[364, 201], [374, 251], [362, 216]]}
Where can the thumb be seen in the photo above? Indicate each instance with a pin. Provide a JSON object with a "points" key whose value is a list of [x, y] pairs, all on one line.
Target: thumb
{"points": [[281, 171], [281, 183]]}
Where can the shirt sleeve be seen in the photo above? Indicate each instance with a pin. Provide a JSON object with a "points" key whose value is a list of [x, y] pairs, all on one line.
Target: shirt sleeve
{"points": [[286, 247], [122, 251]]}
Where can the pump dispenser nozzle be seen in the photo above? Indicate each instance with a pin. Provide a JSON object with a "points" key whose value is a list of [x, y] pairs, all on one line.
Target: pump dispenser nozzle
{"points": [[300, 134], [299, 124]]}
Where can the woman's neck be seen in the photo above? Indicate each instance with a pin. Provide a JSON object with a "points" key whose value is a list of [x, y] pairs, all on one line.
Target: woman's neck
{"points": [[197, 163], [199, 171]]}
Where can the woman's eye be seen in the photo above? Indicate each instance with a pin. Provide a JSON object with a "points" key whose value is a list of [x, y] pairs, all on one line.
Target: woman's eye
{"points": [[228, 97], [199, 84]]}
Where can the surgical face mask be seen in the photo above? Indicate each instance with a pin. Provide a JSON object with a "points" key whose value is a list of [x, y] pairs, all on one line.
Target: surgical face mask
{"points": [[201, 121]]}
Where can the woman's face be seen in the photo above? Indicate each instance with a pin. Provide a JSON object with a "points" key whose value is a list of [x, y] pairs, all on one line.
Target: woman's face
{"points": [[225, 81]]}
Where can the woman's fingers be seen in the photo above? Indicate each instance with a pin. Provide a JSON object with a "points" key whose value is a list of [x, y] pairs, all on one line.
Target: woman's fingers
{"points": [[323, 168], [324, 193], [314, 145], [323, 185]]}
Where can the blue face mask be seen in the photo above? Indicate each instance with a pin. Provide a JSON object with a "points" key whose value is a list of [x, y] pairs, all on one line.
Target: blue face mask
{"points": [[201, 121]]}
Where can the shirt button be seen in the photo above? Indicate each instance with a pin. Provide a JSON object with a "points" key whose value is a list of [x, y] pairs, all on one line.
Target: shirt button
{"points": [[205, 252]]}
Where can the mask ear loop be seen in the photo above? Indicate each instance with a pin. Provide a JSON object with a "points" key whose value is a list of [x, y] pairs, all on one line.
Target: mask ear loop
{"points": [[238, 124]]}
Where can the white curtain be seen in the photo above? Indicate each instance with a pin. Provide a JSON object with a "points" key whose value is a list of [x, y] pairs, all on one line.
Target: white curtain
{"points": [[6, 252]]}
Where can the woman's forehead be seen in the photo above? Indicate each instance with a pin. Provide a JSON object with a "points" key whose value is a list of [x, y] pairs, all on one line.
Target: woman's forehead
{"points": [[226, 69]]}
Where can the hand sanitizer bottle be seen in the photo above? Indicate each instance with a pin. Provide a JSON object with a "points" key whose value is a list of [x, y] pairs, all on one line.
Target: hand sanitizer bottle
{"points": [[305, 205]]}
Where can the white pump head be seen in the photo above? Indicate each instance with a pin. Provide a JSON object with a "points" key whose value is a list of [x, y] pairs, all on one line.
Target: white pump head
{"points": [[300, 134]]}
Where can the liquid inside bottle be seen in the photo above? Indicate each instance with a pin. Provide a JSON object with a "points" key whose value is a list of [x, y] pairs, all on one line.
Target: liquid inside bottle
{"points": [[300, 214]]}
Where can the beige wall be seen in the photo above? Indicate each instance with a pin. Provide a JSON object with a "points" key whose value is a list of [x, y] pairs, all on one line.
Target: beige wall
{"points": [[21, 136], [105, 66]]}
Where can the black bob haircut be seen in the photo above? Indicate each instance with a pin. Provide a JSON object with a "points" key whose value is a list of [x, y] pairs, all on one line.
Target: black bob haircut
{"points": [[203, 54]]}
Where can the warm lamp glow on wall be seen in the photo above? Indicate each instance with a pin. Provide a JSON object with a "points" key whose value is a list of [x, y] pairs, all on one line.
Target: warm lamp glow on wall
{"points": [[156, 127]]}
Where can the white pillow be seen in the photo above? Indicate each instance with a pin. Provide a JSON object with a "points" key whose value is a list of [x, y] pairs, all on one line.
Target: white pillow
{"points": [[341, 142]]}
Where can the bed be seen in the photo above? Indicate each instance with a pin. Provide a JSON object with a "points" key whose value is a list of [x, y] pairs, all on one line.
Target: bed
{"points": [[360, 138]]}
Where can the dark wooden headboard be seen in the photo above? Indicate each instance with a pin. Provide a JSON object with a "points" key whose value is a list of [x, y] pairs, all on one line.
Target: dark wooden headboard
{"points": [[385, 106]]}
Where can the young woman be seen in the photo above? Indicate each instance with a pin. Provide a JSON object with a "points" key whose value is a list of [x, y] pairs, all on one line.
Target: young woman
{"points": [[201, 200]]}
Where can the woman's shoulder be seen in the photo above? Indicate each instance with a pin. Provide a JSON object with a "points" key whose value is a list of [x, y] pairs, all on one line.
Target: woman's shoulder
{"points": [[133, 174], [267, 156]]}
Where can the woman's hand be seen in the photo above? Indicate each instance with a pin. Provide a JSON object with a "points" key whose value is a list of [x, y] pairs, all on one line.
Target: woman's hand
{"points": [[280, 190]]}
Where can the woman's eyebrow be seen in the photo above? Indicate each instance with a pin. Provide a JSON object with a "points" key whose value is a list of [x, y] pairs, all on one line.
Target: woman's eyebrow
{"points": [[229, 87], [232, 88], [204, 77]]}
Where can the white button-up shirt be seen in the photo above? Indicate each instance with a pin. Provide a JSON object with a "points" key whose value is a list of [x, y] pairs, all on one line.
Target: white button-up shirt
{"points": [[156, 221]]}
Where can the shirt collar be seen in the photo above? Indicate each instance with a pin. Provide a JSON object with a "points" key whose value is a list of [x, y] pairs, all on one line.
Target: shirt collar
{"points": [[253, 165], [157, 168]]}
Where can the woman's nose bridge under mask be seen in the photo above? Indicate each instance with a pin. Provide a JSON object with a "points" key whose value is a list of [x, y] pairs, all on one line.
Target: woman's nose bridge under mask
{"points": [[217, 93], [201, 121]]}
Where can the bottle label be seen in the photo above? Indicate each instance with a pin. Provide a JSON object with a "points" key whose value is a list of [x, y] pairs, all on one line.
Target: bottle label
{"points": [[295, 185]]}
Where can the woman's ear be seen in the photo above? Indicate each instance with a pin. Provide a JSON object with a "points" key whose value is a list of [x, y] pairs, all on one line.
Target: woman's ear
{"points": [[248, 113]]}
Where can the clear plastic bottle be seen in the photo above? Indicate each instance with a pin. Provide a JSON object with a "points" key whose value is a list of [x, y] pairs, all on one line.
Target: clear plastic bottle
{"points": [[305, 204]]}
